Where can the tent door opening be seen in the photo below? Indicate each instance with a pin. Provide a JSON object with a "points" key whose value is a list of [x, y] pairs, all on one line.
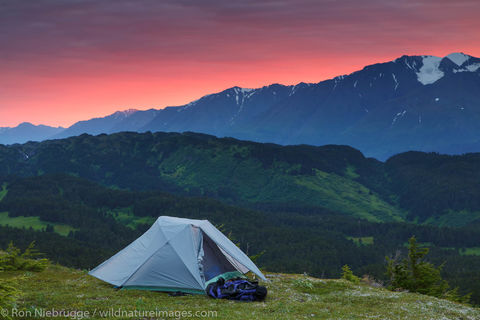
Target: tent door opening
{"points": [[214, 261]]}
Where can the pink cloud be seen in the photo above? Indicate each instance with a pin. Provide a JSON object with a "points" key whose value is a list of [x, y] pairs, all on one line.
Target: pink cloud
{"points": [[79, 59]]}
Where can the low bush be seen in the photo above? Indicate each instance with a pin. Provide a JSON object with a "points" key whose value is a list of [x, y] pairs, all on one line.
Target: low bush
{"points": [[13, 259], [348, 275], [414, 274]]}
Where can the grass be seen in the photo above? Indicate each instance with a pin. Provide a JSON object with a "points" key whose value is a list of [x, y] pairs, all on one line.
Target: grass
{"points": [[130, 220], [453, 218], [474, 251], [26, 222], [34, 222], [4, 191], [424, 245], [344, 195], [350, 173], [289, 297], [361, 240]]}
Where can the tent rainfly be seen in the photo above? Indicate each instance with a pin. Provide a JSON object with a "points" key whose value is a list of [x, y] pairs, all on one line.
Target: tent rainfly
{"points": [[175, 254]]}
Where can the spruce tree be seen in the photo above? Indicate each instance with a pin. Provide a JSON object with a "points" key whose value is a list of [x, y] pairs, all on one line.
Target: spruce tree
{"points": [[417, 275]]}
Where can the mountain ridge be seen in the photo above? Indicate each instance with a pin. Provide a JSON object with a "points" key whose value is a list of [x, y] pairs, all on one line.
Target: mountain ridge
{"points": [[27, 131], [423, 103], [426, 188]]}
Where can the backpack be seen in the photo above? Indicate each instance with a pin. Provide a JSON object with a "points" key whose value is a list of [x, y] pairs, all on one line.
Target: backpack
{"points": [[237, 289]]}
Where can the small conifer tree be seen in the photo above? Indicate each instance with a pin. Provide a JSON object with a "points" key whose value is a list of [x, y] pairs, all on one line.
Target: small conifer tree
{"points": [[348, 275], [417, 275]]}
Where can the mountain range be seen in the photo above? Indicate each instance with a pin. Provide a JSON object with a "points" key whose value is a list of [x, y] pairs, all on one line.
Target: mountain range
{"points": [[423, 103], [27, 132]]}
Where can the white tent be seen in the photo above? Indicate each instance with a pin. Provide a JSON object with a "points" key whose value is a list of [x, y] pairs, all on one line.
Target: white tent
{"points": [[175, 254]]}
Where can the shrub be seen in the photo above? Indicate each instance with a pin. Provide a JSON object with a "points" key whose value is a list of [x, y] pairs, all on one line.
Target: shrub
{"points": [[304, 284], [255, 257], [416, 275], [12, 259], [8, 293], [348, 275]]}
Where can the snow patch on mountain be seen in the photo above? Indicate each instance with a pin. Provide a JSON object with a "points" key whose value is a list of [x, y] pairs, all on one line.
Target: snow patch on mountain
{"points": [[409, 66], [127, 112], [470, 68], [241, 94], [124, 114], [396, 81], [242, 90], [473, 67], [293, 89], [429, 72], [458, 58], [337, 80], [398, 116], [188, 105]]}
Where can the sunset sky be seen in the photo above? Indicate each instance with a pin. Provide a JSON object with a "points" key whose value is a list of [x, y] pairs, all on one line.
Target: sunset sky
{"points": [[67, 60]]}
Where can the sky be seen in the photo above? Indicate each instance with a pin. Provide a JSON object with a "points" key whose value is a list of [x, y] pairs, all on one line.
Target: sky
{"points": [[62, 61]]}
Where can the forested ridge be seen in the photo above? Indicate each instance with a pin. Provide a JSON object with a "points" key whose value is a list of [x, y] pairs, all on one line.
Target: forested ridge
{"points": [[413, 186]]}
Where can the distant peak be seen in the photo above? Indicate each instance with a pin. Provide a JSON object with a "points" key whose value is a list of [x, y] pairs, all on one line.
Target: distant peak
{"points": [[129, 111], [458, 58], [125, 113], [243, 90], [26, 124], [429, 71]]}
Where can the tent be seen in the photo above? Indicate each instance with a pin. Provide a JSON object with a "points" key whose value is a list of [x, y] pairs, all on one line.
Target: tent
{"points": [[175, 254]]}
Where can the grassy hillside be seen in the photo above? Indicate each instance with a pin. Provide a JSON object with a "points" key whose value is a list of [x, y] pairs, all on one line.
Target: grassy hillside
{"points": [[33, 222], [289, 297]]}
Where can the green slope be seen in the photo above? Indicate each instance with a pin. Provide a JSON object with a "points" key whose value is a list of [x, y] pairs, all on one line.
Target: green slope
{"points": [[33, 222], [244, 178], [343, 195]]}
